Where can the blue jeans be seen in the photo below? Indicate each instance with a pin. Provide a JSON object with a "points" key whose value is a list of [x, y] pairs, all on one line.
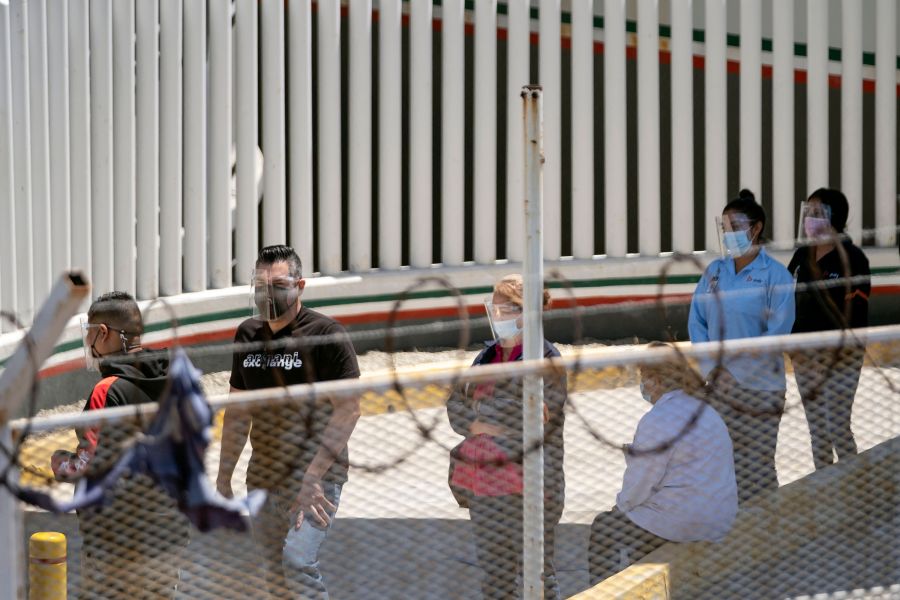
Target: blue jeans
{"points": [[290, 556]]}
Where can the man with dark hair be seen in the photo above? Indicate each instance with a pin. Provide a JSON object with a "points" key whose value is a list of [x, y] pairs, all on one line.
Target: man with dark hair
{"points": [[131, 546], [299, 451]]}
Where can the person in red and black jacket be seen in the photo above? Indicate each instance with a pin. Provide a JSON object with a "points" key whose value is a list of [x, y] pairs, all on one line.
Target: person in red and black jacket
{"points": [[132, 544], [832, 292]]}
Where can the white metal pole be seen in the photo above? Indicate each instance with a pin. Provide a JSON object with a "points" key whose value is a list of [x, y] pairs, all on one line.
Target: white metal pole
{"points": [[716, 125], [420, 138], [390, 143], [147, 148], [517, 75], [170, 142], [101, 78], [886, 124], [12, 568], [751, 96], [852, 112], [7, 209], [783, 205], [485, 132], [550, 77], [615, 130], [58, 95], [247, 137], [360, 166], [40, 148], [195, 146], [682, 126], [80, 135], [219, 167], [533, 347], [274, 226], [649, 229], [124, 194], [582, 129], [300, 136], [817, 95], [329, 137], [453, 129], [21, 159]]}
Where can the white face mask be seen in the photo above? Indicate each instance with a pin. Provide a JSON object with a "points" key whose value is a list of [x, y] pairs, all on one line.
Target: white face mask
{"points": [[645, 393], [507, 329]]}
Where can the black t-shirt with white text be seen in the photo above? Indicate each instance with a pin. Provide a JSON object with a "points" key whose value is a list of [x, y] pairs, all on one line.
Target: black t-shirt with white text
{"points": [[286, 436]]}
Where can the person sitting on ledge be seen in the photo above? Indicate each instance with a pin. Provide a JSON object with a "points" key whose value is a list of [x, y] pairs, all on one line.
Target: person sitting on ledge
{"points": [[679, 483]]}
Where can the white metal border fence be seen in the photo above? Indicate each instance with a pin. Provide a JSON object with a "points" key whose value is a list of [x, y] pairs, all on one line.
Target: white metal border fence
{"points": [[131, 132]]}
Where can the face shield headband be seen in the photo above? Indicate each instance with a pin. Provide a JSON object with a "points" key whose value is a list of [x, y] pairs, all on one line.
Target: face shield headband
{"points": [[273, 297], [504, 319]]}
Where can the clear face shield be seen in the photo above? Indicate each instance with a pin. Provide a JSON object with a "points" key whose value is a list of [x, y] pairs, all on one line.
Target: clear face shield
{"points": [[505, 319], [734, 234], [814, 221], [89, 334], [272, 296]]}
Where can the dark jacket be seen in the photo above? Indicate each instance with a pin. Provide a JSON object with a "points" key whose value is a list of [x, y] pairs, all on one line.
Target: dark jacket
{"points": [[500, 403], [833, 292], [138, 510]]}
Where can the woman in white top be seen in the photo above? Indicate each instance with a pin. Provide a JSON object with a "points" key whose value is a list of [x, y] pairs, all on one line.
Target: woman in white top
{"points": [[679, 482]]}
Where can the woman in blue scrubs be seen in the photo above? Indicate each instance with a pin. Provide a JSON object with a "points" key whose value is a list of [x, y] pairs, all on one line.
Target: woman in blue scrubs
{"points": [[747, 293]]}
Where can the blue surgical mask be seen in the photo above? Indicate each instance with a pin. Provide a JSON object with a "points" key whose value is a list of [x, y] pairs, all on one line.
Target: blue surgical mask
{"points": [[737, 243], [507, 329], [646, 394]]}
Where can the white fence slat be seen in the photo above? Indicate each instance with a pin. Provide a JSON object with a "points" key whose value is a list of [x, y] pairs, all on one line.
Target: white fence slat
{"points": [[783, 206], [817, 96], [80, 135], [360, 166], [485, 131], [682, 126], [615, 201], [550, 75], [517, 76], [101, 77], [420, 137], [58, 96], [300, 136], [195, 145], [7, 209], [147, 149], [219, 168], [246, 54], [171, 175], [886, 124], [648, 128], [453, 132], [274, 226], [124, 192], [329, 83], [390, 184], [751, 96], [582, 129], [40, 149], [716, 122], [852, 113]]}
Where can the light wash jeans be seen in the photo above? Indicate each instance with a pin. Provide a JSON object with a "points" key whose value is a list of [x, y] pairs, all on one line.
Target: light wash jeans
{"points": [[297, 549]]}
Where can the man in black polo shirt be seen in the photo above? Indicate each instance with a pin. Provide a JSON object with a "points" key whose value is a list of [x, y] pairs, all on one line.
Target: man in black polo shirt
{"points": [[299, 449]]}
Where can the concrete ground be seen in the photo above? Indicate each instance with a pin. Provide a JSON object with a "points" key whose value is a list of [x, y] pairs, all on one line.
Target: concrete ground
{"points": [[399, 533]]}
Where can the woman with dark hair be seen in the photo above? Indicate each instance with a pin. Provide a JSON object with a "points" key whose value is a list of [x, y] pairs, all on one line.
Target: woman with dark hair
{"points": [[833, 287], [746, 293], [487, 476]]}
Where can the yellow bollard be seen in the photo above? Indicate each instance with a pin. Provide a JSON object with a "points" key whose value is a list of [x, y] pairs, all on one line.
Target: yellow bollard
{"points": [[47, 566]]}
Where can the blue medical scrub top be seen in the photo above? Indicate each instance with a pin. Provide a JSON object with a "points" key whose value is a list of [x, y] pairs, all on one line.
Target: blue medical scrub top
{"points": [[757, 301]]}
